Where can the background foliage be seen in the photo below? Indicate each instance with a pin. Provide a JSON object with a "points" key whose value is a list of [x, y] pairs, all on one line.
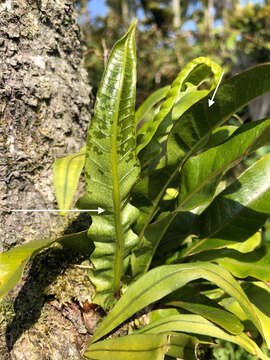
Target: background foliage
{"points": [[173, 32]]}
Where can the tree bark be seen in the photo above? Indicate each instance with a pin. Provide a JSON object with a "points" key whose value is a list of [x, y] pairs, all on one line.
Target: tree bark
{"points": [[208, 16], [224, 8], [176, 13], [45, 109], [128, 9]]}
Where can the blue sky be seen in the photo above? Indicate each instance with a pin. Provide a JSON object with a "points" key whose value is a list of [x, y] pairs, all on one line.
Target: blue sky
{"points": [[98, 7]]}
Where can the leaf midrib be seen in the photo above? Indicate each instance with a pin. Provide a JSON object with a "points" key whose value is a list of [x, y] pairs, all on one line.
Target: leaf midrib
{"points": [[182, 161], [198, 270], [116, 193], [221, 227], [219, 171]]}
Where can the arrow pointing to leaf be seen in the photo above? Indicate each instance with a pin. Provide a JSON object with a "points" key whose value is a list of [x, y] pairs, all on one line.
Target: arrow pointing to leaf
{"points": [[99, 210], [211, 101]]}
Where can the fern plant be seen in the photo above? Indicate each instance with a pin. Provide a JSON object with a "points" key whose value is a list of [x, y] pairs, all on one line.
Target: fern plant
{"points": [[175, 228]]}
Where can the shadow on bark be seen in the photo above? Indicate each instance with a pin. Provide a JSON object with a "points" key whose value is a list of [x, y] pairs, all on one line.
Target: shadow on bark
{"points": [[43, 271]]}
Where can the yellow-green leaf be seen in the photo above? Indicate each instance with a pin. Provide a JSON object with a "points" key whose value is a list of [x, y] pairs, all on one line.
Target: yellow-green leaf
{"points": [[198, 325], [13, 262], [66, 174], [132, 347]]}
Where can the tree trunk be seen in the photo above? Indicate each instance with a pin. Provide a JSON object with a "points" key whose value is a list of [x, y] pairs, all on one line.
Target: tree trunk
{"points": [[176, 13], [226, 7], [44, 109], [209, 16], [128, 9], [45, 106]]}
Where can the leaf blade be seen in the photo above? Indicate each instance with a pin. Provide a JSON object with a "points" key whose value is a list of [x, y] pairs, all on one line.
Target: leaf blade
{"points": [[202, 173], [66, 174], [193, 72], [13, 262], [135, 347], [211, 312], [244, 206], [254, 264], [111, 169], [163, 280], [199, 121], [198, 325]]}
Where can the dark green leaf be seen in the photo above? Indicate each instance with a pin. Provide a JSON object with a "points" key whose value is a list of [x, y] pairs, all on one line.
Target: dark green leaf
{"points": [[162, 281], [202, 173], [237, 212]]}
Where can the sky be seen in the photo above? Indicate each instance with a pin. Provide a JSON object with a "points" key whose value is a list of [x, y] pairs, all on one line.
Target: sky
{"points": [[98, 7]]}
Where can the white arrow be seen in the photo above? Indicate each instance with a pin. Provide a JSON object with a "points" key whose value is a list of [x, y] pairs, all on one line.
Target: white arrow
{"points": [[211, 101], [99, 210]]}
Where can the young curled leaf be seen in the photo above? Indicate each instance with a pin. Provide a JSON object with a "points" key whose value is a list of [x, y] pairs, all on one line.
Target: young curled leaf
{"points": [[194, 73], [148, 105]]}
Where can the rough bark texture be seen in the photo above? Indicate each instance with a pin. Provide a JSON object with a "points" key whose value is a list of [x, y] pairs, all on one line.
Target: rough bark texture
{"points": [[47, 320], [45, 107]]}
